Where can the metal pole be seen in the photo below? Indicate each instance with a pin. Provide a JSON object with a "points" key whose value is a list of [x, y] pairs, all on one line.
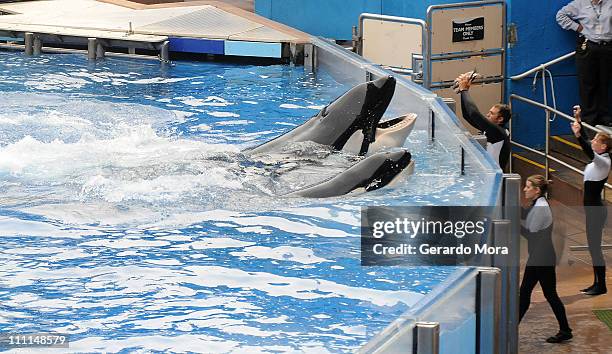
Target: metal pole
{"points": [[512, 212], [547, 134], [488, 307], [100, 52], [91, 48], [29, 43], [37, 45], [432, 124], [501, 238], [427, 338], [165, 52], [309, 57]]}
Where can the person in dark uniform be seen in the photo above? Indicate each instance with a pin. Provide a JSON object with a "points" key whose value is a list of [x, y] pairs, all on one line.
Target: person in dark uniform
{"points": [[595, 177], [536, 227], [592, 20], [498, 140]]}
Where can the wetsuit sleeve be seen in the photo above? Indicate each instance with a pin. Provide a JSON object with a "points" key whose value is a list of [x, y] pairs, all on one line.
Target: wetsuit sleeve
{"points": [[539, 217], [526, 233], [586, 146], [566, 16], [471, 113]]}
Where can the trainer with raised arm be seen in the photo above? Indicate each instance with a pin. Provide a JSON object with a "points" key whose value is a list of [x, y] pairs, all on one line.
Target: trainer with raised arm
{"points": [[492, 126], [595, 177], [592, 21]]}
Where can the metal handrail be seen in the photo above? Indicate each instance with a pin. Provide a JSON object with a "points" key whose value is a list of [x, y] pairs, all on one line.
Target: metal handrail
{"points": [[542, 66], [546, 152]]}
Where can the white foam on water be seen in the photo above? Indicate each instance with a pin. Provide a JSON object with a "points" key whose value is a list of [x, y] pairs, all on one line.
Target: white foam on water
{"points": [[211, 101], [254, 230], [180, 343], [129, 253], [97, 212], [275, 285], [350, 217], [200, 127], [126, 243], [213, 243], [235, 122], [277, 320], [154, 80], [186, 219], [351, 330], [291, 106], [223, 114], [52, 81], [164, 262], [10, 227], [282, 253]]}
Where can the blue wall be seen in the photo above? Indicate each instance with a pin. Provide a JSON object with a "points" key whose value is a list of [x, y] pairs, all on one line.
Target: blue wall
{"points": [[540, 39], [336, 18]]}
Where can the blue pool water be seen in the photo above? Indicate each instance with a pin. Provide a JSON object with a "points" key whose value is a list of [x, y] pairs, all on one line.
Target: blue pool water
{"points": [[129, 219]]}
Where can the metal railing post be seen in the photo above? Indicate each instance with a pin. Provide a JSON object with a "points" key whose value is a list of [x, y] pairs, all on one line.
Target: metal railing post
{"points": [[164, 52], [37, 45], [547, 129], [92, 43], [511, 203], [28, 38], [426, 338], [488, 307]]}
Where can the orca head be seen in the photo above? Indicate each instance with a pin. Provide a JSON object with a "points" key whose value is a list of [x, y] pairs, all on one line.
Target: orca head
{"points": [[391, 133], [358, 111], [397, 165]]}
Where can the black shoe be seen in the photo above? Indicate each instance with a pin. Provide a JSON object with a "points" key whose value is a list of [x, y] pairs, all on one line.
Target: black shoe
{"points": [[562, 336], [587, 289], [597, 290]]}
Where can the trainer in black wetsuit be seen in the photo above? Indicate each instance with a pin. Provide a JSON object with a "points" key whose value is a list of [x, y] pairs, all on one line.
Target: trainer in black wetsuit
{"points": [[536, 227], [498, 141], [595, 177]]}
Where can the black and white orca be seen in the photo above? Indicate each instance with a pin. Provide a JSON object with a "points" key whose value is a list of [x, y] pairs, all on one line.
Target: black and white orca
{"points": [[351, 122], [374, 172]]}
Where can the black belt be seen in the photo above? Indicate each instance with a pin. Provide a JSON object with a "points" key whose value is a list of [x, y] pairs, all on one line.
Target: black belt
{"points": [[601, 42]]}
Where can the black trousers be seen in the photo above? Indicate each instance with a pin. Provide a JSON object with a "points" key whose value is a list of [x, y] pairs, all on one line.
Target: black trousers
{"points": [[594, 66], [547, 278], [595, 221]]}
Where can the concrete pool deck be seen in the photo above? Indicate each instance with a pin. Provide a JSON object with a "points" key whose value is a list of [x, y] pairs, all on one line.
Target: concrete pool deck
{"points": [[590, 334]]}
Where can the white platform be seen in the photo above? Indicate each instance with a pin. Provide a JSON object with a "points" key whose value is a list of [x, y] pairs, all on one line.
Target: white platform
{"points": [[90, 18]]}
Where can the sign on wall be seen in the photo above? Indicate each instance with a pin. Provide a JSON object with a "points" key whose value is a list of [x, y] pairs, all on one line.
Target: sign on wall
{"points": [[468, 30]]}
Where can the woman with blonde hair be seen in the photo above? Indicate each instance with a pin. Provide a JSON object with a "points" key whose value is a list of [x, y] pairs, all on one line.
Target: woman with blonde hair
{"points": [[536, 227]]}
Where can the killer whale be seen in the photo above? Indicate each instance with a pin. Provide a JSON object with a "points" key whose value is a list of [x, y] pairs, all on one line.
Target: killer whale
{"points": [[350, 122], [373, 172]]}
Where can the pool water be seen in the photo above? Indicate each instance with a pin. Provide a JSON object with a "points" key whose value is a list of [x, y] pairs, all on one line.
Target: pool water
{"points": [[130, 219]]}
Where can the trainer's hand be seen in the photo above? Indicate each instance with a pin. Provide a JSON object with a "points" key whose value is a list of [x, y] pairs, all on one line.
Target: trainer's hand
{"points": [[577, 113], [576, 129], [463, 81]]}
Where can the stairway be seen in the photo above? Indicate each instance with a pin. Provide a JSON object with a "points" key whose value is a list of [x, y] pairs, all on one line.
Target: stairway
{"points": [[567, 184]]}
